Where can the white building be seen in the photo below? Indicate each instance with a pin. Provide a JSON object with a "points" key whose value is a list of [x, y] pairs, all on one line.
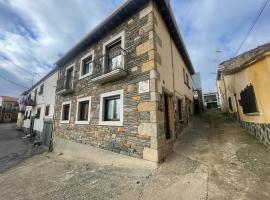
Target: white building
{"points": [[37, 114]]}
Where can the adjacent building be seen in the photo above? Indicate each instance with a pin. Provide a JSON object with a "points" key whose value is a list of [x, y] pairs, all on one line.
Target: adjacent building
{"points": [[197, 89], [126, 86], [8, 109], [37, 108], [243, 84], [211, 100]]}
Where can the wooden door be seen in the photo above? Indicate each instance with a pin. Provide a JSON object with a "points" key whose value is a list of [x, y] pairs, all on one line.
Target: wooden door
{"points": [[47, 133], [169, 116]]}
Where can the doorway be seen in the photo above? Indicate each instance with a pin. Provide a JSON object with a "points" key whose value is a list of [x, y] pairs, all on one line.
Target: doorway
{"points": [[168, 115]]}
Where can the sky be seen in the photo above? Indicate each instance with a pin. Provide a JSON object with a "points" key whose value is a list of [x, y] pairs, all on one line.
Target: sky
{"points": [[35, 34]]}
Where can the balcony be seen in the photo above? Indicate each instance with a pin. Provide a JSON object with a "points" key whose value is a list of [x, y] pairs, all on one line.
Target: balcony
{"points": [[64, 85], [109, 67]]}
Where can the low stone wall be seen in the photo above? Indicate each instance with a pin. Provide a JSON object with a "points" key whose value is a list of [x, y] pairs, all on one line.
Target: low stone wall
{"points": [[260, 130]]}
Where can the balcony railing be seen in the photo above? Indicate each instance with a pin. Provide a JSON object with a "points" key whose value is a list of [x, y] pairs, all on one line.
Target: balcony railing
{"points": [[64, 85], [109, 66]]}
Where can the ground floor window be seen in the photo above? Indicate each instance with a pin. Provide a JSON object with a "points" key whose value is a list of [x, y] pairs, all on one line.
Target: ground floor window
{"points": [[38, 113], [111, 112], [83, 110], [47, 110], [180, 114], [248, 100], [65, 113]]}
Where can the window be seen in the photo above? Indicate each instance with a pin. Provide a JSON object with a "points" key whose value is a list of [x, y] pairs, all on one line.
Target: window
{"points": [[248, 100], [187, 80], [65, 113], [83, 110], [41, 89], [184, 75], [114, 55], [30, 113], [180, 109], [111, 112], [38, 113], [47, 110], [230, 103], [87, 65]]}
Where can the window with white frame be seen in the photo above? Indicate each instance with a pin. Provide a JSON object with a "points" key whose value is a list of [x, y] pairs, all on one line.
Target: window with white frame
{"points": [[83, 110], [113, 51], [87, 66], [111, 112], [65, 112]]}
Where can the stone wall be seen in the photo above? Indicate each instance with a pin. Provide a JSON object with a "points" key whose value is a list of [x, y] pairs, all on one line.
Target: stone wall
{"points": [[260, 130], [142, 134]]}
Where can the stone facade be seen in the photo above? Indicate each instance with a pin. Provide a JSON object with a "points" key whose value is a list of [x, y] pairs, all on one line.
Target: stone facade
{"points": [[142, 133], [260, 130]]}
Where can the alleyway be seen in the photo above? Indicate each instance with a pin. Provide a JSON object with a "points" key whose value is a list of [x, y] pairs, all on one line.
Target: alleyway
{"points": [[213, 159]]}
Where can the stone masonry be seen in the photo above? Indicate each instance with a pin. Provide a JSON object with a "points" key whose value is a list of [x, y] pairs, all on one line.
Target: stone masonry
{"points": [[260, 130], [142, 133]]}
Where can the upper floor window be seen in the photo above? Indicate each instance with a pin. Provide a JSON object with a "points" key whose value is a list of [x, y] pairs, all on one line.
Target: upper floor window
{"points": [[41, 89], [248, 100], [114, 52], [87, 65]]}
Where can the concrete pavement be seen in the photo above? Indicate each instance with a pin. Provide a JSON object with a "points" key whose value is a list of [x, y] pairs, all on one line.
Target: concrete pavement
{"points": [[214, 159]]}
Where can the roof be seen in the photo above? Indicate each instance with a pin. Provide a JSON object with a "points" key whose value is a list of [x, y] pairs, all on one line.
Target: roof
{"points": [[240, 62], [7, 98], [127, 9], [41, 80]]}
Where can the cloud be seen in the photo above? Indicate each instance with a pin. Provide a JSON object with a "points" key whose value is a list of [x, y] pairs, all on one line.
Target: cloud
{"points": [[219, 25], [34, 34]]}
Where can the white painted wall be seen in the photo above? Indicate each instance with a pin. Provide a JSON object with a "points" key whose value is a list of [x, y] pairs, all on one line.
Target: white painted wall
{"points": [[47, 98], [1, 101]]}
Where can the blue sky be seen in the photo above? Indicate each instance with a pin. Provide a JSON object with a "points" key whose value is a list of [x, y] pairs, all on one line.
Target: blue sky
{"points": [[34, 34]]}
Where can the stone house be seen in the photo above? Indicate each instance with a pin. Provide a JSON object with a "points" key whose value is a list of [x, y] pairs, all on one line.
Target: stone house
{"points": [[126, 86], [37, 108], [243, 85], [8, 109]]}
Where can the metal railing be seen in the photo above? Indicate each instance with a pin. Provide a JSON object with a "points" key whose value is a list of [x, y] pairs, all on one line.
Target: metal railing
{"points": [[64, 83], [109, 62]]}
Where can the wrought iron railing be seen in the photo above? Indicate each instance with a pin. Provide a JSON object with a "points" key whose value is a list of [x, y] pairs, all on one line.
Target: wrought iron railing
{"points": [[64, 83], [109, 62]]}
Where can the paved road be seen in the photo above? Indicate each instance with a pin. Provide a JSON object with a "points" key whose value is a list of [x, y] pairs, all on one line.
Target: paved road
{"points": [[13, 149], [213, 159]]}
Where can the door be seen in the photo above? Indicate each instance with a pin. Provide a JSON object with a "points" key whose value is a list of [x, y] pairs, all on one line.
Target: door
{"points": [[168, 112], [47, 133]]}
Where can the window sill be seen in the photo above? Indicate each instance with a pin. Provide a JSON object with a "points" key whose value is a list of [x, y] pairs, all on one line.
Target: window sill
{"points": [[84, 76], [111, 123], [253, 114], [64, 122], [82, 122]]}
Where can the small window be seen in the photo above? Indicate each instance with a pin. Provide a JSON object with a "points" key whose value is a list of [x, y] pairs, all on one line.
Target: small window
{"points": [[83, 110], [180, 114], [30, 113], [248, 100], [187, 80], [65, 112], [41, 90], [38, 113], [87, 65], [47, 110], [112, 108]]}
